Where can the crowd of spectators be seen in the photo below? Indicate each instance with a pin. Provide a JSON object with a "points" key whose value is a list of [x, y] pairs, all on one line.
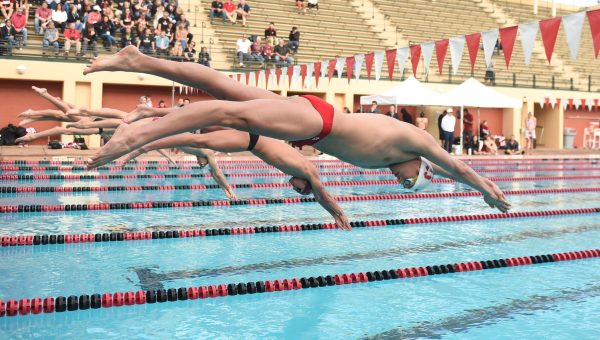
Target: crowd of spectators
{"points": [[154, 26], [274, 50]]}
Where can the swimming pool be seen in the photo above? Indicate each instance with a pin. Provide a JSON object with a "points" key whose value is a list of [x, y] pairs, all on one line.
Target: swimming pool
{"points": [[553, 299]]}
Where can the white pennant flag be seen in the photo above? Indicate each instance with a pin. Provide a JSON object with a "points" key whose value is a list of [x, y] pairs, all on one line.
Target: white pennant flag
{"points": [[577, 103], [339, 66], [310, 68], [542, 102], [180, 89], [552, 102], [528, 33], [590, 104], [261, 77], [572, 26], [489, 44], [358, 62], [272, 77], [324, 66], [457, 45], [186, 90], [378, 61], [427, 53], [252, 80], [564, 104], [296, 75], [401, 56]]}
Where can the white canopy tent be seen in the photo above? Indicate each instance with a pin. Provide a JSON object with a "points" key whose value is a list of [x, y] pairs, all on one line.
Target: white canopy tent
{"points": [[410, 92]]}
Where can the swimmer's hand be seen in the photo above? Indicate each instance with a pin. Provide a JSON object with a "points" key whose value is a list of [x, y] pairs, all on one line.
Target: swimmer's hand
{"points": [[231, 194], [495, 198], [342, 222]]}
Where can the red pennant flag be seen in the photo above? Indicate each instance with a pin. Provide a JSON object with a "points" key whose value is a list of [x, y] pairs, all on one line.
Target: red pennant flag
{"points": [[349, 67], [415, 57], [390, 57], [369, 63], [231, 76], [256, 77], [595, 104], [570, 105], [508, 35], [583, 102], [239, 77], [441, 47], [473, 47], [290, 73], [303, 73], [317, 72], [546, 102], [247, 77], [549, 29], [331, 68], [594, 20], [278, 74], [558, 102], [267, 76]]}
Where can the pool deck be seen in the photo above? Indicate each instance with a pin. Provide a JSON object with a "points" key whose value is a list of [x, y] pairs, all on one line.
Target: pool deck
{"points": [[43, 153]]}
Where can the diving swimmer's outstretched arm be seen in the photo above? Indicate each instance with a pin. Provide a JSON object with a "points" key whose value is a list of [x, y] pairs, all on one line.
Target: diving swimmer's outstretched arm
{"points": [[89, 124]]}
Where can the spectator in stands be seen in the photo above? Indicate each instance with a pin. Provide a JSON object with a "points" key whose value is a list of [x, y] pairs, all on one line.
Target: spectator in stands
{"points": [[180, 102], [489, 147], [204, 57], [242, 49], [530, 134], [467, 124], [392, 112], [128, 38], [163, 23], [59, 16], [300, 6], [216, 11], [490, 75], [42, 15], [7, 34], [177, 52], [146, 42], [484, 130], [243, 11], [186, 101], [90, 39], [448, 124], [161, 104], [7, 7], [50, 38], [162, 44], [271, 33], [374, 108], [181, 35], [19, 21], [75, 17], [230, 9], [498, 46], [189, 53], [294, 39], [127, 18], [422, 121], [106, 31], [72, 37], [94, 17], [512, 147], [148, 100], [257, 51], [313, 5], [282, 53], [269, 51], [406, 117]]}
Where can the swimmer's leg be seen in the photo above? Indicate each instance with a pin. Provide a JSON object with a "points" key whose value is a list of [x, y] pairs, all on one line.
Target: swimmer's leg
{"points": [[213, 82], [61, 104]]}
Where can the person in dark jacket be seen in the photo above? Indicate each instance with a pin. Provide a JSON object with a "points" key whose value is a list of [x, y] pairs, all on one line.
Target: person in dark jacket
{"points": [[406, 117], [294, 39]]}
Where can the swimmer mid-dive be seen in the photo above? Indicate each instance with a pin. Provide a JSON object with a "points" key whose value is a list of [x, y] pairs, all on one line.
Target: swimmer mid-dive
{"points": [[305, 178], [369, 141]]}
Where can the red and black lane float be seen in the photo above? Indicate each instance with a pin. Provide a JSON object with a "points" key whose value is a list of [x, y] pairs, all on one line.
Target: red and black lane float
{"points": [[24, 240], [107, 300]]}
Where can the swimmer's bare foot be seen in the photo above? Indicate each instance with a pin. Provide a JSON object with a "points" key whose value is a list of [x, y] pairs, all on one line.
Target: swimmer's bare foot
{"points": [[119, 145], [141, 111], [39, 90], [124, 60], [27, 113]]}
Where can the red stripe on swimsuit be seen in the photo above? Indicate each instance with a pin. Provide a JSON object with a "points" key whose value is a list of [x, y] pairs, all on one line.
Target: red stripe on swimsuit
{"points": [[326, 111]]}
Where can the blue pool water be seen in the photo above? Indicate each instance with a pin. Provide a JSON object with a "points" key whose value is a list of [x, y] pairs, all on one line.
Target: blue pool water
{"points": [[546, 301]]}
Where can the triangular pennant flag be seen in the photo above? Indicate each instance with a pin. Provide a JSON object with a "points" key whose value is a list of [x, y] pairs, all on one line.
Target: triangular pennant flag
{"points": [[594, 20], [278, 75], [473, 47], [369, 64], [557, 103], [441, 48], [549, 29], [590, 105], [267, 76], [349, 68], [583, 102], [317, 73], [295, 75], [508, 35], [309, 73], [331, 68], [256, 77], [358, 62], [577, 103], [457, 44], [564, 105], [572, 26], [552, 102], [239, 77], [489, 44], [186, 90], [570, 100], [290, 73], [378, 64], [528, 33], [180, 89], [303, 73], [546, 101], [339, 66], [427, 51], [596, 104], [415, 57], [390, 57], [247, 77], [401, 56], [231, 76]]}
